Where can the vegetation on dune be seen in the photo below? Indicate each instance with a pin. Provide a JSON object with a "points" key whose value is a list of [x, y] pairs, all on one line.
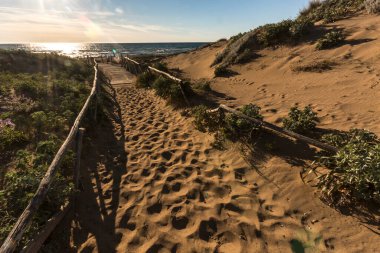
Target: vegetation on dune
{"points": [[164, 87], [354, 170], [161, 66], [145, 80], [353, 173], [372, 6], [301, 121], [168, 89], [205, 121], [227, 126], [331, 10], [330, 40], [316, 66], [202, 86], [242, 48], [38, 105], [222, 71]]}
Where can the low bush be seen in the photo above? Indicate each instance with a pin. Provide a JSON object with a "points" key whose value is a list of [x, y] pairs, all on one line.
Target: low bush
{"points": [[10, 139], [222, 71], [236, 128], [168, 89], [354, 170], [330, 40], [145, 80], [312, 6], [202, 85], [206, 121], [274, 34], [236, 37], [372, 6], [331, 10], [228, 125], [301, 121], [318, 66], [19, 187], [161, 66], [247, 56]]}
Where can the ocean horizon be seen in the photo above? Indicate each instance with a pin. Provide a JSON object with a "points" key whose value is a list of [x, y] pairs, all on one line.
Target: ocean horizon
{"points": [[97, 49]]}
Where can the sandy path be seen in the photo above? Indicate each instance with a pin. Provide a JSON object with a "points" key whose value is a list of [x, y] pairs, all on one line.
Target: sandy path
{"points": [[175, 191], [154, 184]]}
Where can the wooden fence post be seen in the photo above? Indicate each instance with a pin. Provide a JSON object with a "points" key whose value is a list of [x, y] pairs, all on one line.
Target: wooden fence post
{"points": [[78, 152], [96, 102]]}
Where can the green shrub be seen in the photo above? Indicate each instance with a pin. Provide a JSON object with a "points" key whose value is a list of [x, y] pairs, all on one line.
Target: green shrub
{"points": [[10, 139], [205, 121], [218, 59], [202, 85], [161, 66], [355, 169], [312, 6], [316, 66], [168, 89], [145, 80], [274, 34], [247, 56], [330, 40], [229, 126], [300, 28], [20, 186], [30, 89], [237, 127], [222, 71], [372, 6], [331, 10], [301, 121], [236, 37]]}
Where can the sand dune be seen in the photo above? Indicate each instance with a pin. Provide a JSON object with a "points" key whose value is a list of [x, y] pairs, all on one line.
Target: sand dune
{"points": [[345, 97]]}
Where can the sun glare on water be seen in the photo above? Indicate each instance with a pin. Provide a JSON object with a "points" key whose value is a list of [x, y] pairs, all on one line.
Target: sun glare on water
{"points": [[70, 49]]}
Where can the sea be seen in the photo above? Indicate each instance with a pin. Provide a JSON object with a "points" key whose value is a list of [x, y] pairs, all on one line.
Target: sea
{"points": [[97, 49]]}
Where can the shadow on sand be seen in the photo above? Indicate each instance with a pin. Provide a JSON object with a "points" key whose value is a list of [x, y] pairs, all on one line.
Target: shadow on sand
{"points": [[301, 154], [103, 162]]}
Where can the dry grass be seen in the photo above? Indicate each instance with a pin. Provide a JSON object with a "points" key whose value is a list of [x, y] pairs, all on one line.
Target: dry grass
{"points": [[318, 67]]}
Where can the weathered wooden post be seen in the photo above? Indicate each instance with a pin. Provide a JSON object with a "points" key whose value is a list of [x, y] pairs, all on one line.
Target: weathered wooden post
{"points": [[96, 101], [78, 152]]}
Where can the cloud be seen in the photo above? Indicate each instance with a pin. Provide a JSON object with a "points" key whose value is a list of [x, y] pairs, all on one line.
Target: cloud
{"points": [[119, 10], [36, 25]]}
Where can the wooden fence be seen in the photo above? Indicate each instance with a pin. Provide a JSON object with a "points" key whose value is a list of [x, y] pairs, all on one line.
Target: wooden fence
{"points": [[24, 220], [136, 68]]}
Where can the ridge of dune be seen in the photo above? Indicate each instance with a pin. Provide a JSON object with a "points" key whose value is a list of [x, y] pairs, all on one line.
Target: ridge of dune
{"points": [[345, 96]]}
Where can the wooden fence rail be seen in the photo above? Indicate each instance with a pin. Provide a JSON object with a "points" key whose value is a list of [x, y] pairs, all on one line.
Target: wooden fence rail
{"points": [[265, 125], [24, 220], [137, 68]]}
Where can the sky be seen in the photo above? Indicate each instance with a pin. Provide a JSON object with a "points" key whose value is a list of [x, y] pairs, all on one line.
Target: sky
{"points": [[62, 21]]}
